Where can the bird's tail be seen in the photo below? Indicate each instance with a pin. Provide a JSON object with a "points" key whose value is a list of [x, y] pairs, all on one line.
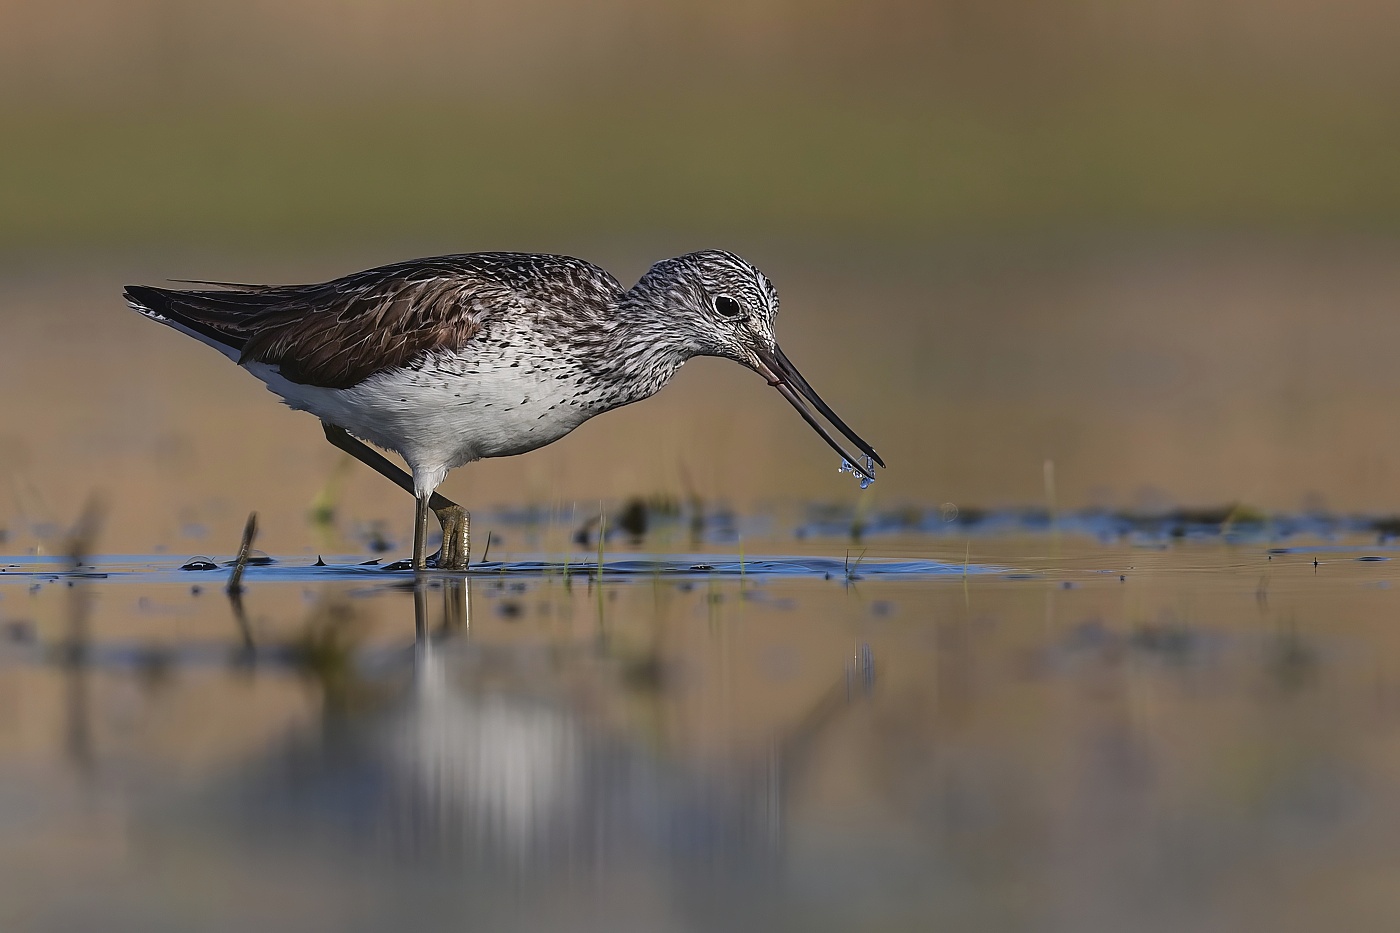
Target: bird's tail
{"points": [[218, 319]]}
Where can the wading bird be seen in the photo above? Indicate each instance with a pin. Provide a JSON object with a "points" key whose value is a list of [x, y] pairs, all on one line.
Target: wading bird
{"points": [[455, 358]]}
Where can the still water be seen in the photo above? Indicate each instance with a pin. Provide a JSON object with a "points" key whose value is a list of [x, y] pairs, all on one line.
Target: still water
{"points": [[1003, 732], [1108, 647]]}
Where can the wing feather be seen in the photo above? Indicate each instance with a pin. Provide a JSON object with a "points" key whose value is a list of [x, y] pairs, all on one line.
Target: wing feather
{"points": [[339, 333]]}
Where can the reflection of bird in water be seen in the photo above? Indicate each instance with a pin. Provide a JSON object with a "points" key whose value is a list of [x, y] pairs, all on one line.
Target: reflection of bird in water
{"points": [[501, 769], [456, 358], [472, 764]]}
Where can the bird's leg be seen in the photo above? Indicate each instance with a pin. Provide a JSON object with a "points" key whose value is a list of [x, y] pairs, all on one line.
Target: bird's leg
{"points": [[455, 520], [379, 463], [420, 534]]}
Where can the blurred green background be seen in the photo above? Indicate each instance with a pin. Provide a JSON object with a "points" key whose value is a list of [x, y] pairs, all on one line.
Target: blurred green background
{"points": [[258, 124], [1153, 242]]}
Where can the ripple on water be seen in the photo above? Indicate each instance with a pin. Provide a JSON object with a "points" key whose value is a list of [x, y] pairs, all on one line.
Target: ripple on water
{"points": [[158, 569]]}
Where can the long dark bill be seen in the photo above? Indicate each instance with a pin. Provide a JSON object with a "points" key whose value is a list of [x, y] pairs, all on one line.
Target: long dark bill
{"points": [[783, 376]]}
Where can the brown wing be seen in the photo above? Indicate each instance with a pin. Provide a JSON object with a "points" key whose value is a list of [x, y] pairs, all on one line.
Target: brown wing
{"points": [[340, 333], [344, 343]]}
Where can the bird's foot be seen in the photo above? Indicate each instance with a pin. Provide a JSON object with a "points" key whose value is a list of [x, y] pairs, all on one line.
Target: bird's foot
{"points": [[455, 553]]}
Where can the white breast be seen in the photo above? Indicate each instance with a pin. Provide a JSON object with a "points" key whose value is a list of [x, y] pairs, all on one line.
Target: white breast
{"points": [[453, 409]]}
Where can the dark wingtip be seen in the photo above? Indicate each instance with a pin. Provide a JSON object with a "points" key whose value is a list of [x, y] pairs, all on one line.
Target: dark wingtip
{"points": [[144, 297], [186, 311]]}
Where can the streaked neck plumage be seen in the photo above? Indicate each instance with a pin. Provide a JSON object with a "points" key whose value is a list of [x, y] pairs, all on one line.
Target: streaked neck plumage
{"points": [[644, 341]]}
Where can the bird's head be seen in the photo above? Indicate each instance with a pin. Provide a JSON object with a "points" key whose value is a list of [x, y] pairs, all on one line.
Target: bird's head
{"points": [[722, 305]]}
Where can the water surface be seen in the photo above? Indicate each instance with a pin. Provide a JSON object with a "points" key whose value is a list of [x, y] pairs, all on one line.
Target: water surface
{"points": [[1020, 732]]}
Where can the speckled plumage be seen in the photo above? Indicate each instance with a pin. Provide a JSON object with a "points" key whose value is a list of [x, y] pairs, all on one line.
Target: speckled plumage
{"points": [[454, 358]]}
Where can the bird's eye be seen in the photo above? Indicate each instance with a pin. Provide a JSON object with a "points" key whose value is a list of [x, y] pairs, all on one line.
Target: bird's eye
{"points": [[727, 306]]}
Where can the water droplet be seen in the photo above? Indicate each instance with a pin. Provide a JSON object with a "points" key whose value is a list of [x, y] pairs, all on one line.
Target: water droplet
{"points": [[865, 474]]}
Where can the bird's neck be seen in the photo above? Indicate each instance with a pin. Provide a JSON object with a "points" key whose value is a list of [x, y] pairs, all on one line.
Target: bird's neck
{"points": [[643, 348]]}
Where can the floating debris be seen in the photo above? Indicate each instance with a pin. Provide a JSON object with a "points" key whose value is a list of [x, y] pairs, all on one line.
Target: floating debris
{"points": [[255, 559], [633, 519], [245, 548]]}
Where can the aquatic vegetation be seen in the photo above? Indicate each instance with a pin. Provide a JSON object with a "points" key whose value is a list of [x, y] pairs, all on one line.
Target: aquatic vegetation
{"points": [[325, 505], [1231, 522]]}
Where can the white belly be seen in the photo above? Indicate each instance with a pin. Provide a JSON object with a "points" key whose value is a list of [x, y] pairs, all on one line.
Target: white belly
{"points": [[451, 412]]}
